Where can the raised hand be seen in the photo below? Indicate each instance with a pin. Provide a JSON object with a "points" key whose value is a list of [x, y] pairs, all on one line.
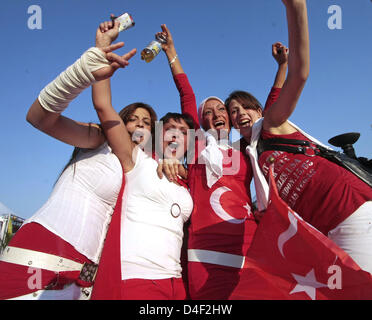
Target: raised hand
{"points": [[107, 33], [170, 50], [165, 33], [280, 53], [115, 61]]}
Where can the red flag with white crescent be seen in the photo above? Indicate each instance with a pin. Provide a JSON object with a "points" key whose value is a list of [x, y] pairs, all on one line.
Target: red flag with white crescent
{"points": [[290, 259]]}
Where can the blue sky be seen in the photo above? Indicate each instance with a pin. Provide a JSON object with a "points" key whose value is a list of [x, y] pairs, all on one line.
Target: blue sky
{"points": [[223, 46]]}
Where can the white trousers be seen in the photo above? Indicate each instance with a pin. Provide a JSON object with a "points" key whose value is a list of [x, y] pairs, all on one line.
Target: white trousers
{"points": [[354, 236]]}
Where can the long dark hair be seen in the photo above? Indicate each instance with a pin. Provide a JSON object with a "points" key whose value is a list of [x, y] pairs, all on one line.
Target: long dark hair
{"points": [[127, 112], [75, 152], [124, 114]]}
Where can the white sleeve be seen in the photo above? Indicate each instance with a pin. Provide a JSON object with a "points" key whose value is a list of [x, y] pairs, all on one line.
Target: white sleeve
{"points": [[57, 95]]}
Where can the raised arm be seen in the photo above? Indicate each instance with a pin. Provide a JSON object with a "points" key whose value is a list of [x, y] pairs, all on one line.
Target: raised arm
{"points": [[78, 134], [280, 54], [187, 96], [112, 124], [170, 51], [298, 69], [45, 113], [172, 168]]}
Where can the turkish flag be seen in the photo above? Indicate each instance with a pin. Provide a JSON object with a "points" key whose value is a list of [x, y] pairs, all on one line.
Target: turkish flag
{"points": [[290, 259], [108, 279]]}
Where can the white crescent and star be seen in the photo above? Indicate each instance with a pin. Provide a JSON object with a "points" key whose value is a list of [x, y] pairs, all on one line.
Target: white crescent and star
{"points": [[307, 284], [215, 201], [288, 234]]}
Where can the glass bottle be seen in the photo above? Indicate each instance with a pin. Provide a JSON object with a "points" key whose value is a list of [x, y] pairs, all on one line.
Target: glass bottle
{"points": [[153, 49]]}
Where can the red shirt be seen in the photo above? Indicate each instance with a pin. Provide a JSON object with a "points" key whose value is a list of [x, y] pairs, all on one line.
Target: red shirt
{"points": [[273, 96], [321, 192], [221, 219]]}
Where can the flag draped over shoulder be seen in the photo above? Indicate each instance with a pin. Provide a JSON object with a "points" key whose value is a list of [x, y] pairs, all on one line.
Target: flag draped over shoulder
{"points": [[108, 279], [290, 259]]}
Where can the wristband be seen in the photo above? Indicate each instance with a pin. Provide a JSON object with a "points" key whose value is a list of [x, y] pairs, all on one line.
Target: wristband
{"points": [[173, 60]]}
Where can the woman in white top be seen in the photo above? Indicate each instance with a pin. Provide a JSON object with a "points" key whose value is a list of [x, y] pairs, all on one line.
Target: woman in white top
{"points": [[45, 259], [154, 210]]}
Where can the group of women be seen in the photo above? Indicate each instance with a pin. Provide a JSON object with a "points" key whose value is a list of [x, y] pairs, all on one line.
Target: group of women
{"points": [[56, 253]]}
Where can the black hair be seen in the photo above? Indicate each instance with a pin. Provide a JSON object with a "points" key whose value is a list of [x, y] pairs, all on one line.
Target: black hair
{"points": [[177, 117]]}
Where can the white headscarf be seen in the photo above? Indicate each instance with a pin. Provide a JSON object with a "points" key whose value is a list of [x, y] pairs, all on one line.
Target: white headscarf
{"points": [[202, 105]]}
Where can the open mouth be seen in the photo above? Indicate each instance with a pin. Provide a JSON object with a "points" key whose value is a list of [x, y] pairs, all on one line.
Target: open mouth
{"points": [[244, 123], [219, 124], [138, 135], [173, 146]]}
